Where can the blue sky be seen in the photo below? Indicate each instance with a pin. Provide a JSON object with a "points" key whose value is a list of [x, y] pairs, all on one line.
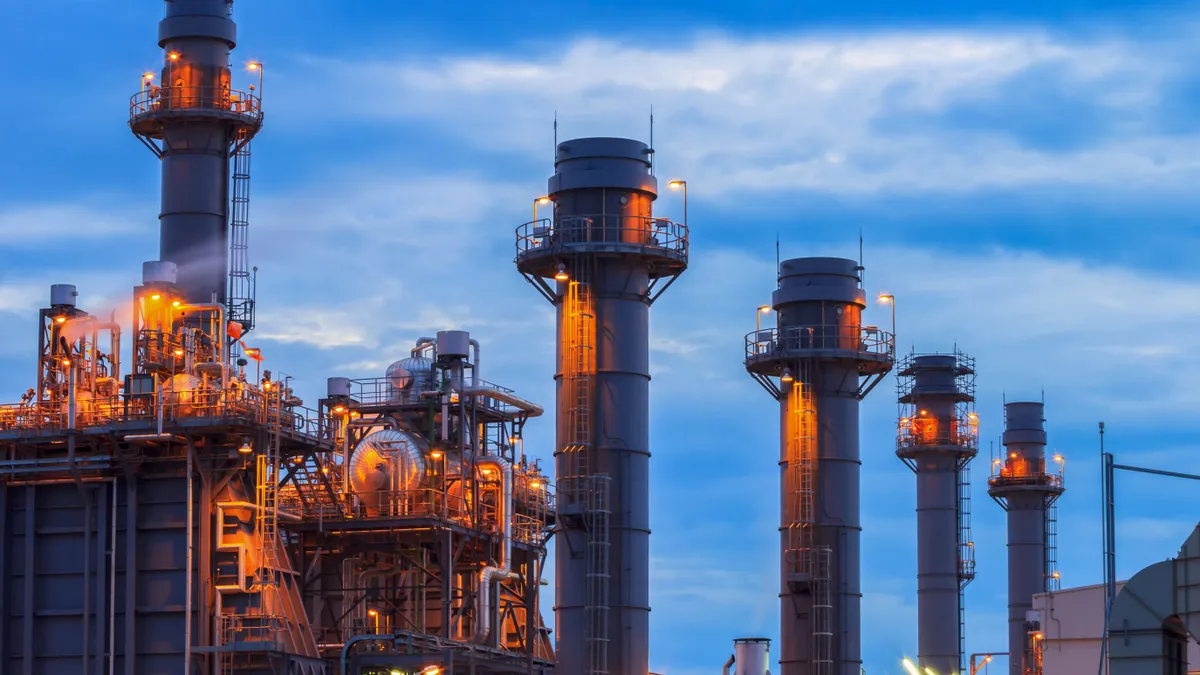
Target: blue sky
{"points": [[1023, 174]]}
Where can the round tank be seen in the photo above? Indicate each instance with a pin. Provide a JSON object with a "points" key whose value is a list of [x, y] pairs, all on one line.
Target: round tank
{"points": [[337, 386], [408, 377], [184, 393], [63, 295], [453, 344], [159, 271], [753, 656], [383, 464]]}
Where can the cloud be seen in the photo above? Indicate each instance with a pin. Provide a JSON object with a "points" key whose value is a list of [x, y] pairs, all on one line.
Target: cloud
{"points": [[57, 225], [947, 110]]}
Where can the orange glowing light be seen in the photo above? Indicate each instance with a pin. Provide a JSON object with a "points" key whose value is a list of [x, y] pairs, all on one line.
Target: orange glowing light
{"points": [[156, 296], [487, 472], [324, 469], [175, 303], [535, 484], [60, 319], [765, 309], [372, 612], [436, 454], [1012, 455], [148, 76], [339, 409], [174, 56], [267, 386], [178, 352], [561, 275], [543, 200], [513, 440], [676, 184], [67, 362], [256, 66]]}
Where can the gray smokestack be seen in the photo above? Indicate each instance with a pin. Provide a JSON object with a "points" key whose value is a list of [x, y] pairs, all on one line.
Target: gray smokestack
{"points": [[611, 258], [825, 362], [937, 438], [1027, 488], [192, 119]]}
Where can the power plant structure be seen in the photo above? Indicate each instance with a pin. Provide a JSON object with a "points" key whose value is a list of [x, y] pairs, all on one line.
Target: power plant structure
{"points": [[938, 437], [819, 362], [1027, 489], [170, 505], [178, 512], [602, 259]]}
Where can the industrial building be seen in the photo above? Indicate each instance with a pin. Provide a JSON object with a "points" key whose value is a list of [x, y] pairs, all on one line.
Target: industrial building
{"points": [[168, 504]]}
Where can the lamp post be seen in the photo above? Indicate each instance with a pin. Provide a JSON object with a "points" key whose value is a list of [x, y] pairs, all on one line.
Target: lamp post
{"points": [[536, 202], [987, 658], [889, 299], [763, 309], [677, 185], [258, 67]]}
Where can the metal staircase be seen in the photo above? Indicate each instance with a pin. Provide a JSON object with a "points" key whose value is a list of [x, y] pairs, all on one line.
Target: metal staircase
{"points": [[241, 292]]}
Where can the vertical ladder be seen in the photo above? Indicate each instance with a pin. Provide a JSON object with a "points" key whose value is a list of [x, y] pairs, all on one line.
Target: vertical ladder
{"points": [[240, 295], [822, 614], [801, 475], [267, 516], [966, 555], [579, 369], [598, 576], [1053, 583]]}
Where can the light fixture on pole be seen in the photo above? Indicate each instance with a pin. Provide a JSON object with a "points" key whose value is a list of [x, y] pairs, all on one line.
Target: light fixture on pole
{"points": [[681, 185], [889, 299], [536, 202], [763, 309], [561, 274]]}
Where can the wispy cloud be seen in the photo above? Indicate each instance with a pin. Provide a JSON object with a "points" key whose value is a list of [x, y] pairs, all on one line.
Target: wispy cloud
{"points": [[927, 110]]}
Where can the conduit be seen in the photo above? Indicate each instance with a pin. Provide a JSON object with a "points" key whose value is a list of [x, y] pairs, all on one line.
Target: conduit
{"points": [[503, 571]]}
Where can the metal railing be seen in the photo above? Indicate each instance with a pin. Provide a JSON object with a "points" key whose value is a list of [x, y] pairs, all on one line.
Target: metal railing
{"points": [[241, 403], [865, 340], [646, 232], [916, 432], [171, 98], [1024, 473]]}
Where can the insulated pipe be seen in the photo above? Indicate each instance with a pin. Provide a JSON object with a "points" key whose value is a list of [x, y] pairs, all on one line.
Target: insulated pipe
{"points": [[728, 665], [422, 342], [220, 336], [490, 575], [475, 363], [530, 408]]}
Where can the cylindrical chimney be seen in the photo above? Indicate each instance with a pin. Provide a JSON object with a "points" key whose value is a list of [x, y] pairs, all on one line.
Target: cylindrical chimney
{"points": [[192, 118], [602, 260], [937, 438], [819, 363], [1027, 489]]}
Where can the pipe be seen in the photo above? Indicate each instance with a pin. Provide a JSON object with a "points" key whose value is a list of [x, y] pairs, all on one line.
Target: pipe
{"points": [[728, 665], [112, 587], [187, 601], [255, 507], [220, 332], [72, 466], [528, 407], [489, 575], [475, 363], [422, 342], [353, 641]]}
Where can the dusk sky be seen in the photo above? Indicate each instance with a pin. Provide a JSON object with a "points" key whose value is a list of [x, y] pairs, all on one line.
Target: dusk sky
{"points": [[1024, 175]]}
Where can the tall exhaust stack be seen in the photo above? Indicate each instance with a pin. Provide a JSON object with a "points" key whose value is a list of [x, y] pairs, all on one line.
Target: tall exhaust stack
{"points": [[1027, 489], [602, 259], [938, 437], [192, 119], [819, 363]]}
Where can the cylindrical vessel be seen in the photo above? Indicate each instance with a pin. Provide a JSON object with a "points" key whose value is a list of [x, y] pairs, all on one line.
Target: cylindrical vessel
{"points": [[1027, 490], [193, 117], [63, 295], [818, 306], [752, 656], [602, 191], [337, 386], [934, 441]]}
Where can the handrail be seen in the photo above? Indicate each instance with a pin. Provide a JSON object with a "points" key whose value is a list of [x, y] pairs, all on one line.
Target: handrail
{"points": [[645, 232], [864, 340], [160, 99]]}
